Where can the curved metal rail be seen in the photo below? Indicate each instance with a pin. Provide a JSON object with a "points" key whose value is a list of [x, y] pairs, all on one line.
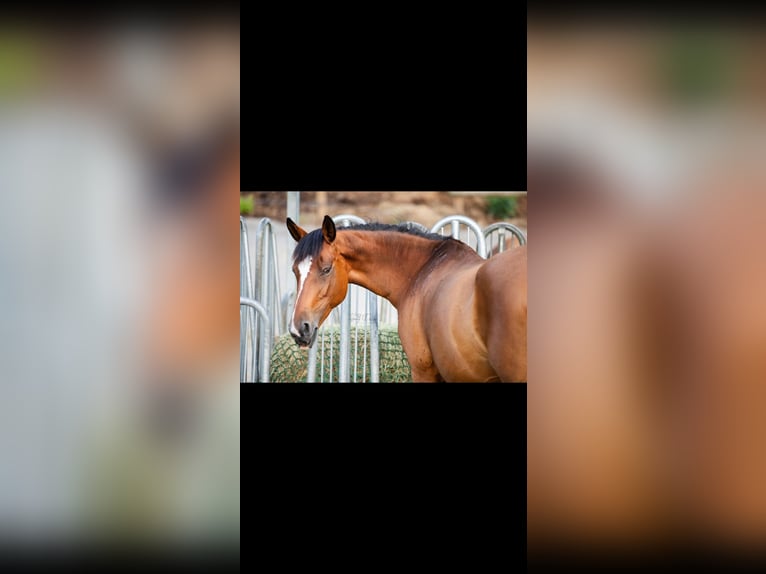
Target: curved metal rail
{"points": [[500, 230], [455, 221]]}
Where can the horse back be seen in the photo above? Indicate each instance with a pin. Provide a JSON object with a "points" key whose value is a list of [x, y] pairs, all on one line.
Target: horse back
{"points": [[501, 312], [473, 320], [452, 345]]}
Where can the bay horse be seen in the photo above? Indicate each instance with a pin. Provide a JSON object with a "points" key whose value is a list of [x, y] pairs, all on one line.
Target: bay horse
{"points": [[462, 318]]}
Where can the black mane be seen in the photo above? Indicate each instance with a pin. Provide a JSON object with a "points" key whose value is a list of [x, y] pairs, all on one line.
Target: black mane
{"points": [[400, 227], [311, 244]]}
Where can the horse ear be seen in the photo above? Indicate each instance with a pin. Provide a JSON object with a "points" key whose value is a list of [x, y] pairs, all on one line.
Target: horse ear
{"points": [[328, 229], [296, 232]]}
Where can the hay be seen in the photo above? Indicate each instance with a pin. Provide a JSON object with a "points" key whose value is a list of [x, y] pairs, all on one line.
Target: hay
{"points": [[290, 364]]}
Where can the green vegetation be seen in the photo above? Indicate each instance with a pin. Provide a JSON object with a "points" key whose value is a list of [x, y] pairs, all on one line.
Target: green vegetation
{"points": [[20, 65], [246, 205], [501, 207], [697, 68]]}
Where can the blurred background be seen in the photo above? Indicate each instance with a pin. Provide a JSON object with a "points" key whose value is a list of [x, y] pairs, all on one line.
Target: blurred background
{"points": [[119, 169], [647, 168]]}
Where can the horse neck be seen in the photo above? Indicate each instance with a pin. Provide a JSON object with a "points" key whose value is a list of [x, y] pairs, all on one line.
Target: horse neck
{"points": [[385, 262]]}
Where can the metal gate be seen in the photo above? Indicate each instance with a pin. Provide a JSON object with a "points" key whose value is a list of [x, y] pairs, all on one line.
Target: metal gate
{"points": [[260, 319]]}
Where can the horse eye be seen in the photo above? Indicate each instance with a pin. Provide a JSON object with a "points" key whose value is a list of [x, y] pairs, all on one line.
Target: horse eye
{"points": [[326, 270]]}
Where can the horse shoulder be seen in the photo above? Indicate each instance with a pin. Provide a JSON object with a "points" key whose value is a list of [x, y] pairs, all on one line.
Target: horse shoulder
{"points": [[414, 341]]}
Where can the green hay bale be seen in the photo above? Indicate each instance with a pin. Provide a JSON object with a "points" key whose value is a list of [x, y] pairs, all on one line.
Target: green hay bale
{"points": [[290, 364]]}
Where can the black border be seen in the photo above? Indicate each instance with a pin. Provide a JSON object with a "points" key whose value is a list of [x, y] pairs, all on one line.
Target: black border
{"points": [[390, 101], [440, 464]]}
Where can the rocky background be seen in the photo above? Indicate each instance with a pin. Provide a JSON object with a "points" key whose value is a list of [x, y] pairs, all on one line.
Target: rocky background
{"points": [[425, 207]]}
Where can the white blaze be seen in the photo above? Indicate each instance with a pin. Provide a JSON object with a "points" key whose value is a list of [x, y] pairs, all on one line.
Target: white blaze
{"points": [[304, 268]]}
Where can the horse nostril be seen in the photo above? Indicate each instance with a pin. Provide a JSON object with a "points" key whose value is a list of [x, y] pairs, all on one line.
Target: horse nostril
{"points": [[305, 328]]}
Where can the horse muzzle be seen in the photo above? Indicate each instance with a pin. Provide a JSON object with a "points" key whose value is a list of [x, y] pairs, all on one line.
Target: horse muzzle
{"points": [[306, 335]]}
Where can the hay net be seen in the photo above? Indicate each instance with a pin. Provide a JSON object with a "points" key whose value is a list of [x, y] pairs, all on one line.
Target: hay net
{"points": [[290, 363]]}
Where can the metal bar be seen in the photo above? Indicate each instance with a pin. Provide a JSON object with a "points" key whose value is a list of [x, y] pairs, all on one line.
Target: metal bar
{"points": [[321, 372], [416, 225], [257, 283], [456, 220], [265, 340], [245, 289], [244, 328], [347, 219], [244, 259], [311, 375], [258, 270], [244, 333], [366, 330], [294, 206], [263, 287], [345, 328], [275, 308], [518, 233], [265, 268], [293, 211], [374, 340], [284, 307], [356, 347], [249, 325]]}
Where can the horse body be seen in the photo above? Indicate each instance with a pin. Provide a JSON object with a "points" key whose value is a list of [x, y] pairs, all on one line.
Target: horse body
{"points": [[441, 325], [501, 284], [461, 317]]}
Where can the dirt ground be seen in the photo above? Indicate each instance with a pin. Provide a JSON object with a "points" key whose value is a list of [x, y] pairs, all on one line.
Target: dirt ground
{"points": [[425, 207]]}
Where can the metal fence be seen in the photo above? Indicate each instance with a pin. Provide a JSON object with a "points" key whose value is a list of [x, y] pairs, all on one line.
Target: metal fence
{"points": [[246, 319], [260, 319], [501, 236]]}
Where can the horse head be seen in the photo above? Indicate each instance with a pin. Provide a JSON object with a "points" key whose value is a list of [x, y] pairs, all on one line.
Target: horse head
{"points": [[321, 273]]}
